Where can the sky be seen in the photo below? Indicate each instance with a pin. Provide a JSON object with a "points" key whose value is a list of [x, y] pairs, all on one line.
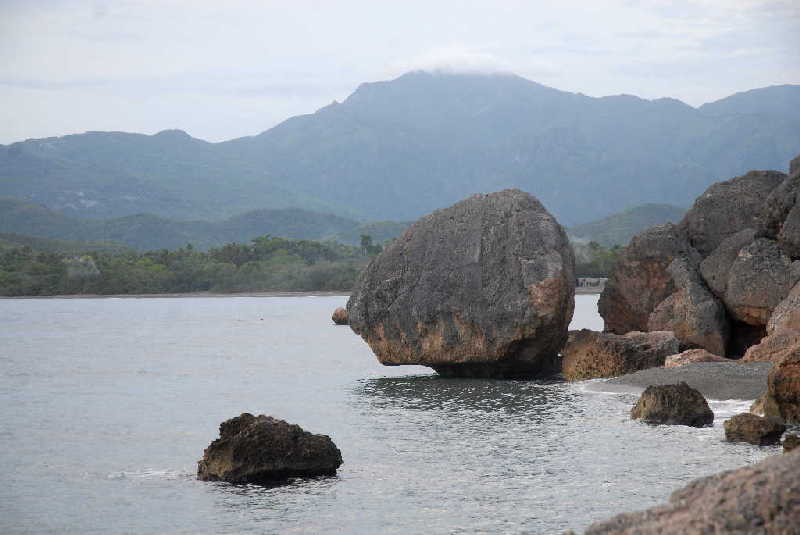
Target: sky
{"points": [[225, 69]]}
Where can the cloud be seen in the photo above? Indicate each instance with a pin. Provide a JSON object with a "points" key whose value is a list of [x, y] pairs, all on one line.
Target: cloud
{"points": [[456, 60]]}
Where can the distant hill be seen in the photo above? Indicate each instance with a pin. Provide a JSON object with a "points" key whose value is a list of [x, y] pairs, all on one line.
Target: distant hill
{"points": [[398, 149], [618, 229], [147, 232], [12, 241]]}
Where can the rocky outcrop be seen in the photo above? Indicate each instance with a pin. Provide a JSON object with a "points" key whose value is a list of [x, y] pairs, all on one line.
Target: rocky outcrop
{"points": [[757, 499], [690, 356], [716, 266], [261, 449], [783, 386], [483, 288], [781, 215], [783, 331], [339, 316], [747, 427], [790, 442], [590, 354], [677, 404], [765, 406]]}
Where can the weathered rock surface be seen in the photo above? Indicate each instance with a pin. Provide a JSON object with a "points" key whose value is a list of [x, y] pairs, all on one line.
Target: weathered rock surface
{"points": [[786, 315], [692, 312], [783, 385], [758, 499], [775, 347], [790, 442], [728, 207], [339, 316], [765, 406], [690, 356], [781, 213], [641, 280], [590, 354], [716, 266], [677, 404], [748, 427], [483, 288], [261, 449]]}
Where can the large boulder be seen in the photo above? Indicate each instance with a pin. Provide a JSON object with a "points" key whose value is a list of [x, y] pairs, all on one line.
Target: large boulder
{"points": [[641, 279], [757, 499], [783, 386], [590, 354], [754, 429], [716, 266], [484, 288], [690, 356], [783, 331], [692, 312], [781, 213], [677, 404], [261, 449]]}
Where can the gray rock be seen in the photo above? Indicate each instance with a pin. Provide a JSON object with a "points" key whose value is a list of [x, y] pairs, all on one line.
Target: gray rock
{"points": [[677, 404], [715, 267], [781, 213], [753, 429], [483, 288]]}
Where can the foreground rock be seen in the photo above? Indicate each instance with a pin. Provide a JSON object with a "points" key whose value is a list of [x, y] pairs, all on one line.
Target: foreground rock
{"points": [[590, 354], [673, 405], [690, 356], [339, 316], [761, 499], [783, 387], [790, 442], [261, 449], [754, 429], [484, 288]]}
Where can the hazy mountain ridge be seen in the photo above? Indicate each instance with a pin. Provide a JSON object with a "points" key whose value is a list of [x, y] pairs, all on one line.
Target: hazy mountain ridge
{"points": [[618, 229]]}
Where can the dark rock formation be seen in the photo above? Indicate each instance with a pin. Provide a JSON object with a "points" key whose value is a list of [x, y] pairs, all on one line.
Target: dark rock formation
{"points": [[589, 354], [261, 449], [747, 427], [757, 499], [641, 280], [790, 442], [339, 316], [783, 385], [690, 356], [483, 288], [692, 312], [677, 404], [781, 214]]}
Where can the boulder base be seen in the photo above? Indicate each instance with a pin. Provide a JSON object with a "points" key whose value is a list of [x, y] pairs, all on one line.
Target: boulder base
{"points": [[673, 405], [261, 449], [754, 429]]}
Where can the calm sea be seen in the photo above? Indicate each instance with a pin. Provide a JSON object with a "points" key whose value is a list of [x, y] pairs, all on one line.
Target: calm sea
{"points": [[107, 404]]}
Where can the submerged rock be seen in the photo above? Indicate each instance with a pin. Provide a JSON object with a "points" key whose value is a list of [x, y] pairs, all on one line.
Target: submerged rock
{"points": [[760, 498], [483, 288], [677, 404], [339, 316], [747, 427], [261, 449], [692, 355], [590, 354]]}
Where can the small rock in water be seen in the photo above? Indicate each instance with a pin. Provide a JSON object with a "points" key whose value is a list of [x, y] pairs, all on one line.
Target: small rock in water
{"points": [[790, 443], [339, 316], [673, 405], [753, 429], [261, 449]]}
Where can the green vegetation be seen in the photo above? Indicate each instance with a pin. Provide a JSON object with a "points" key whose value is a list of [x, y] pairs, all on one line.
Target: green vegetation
{"points": [[264, 264], [594, 260], [618, 229]]}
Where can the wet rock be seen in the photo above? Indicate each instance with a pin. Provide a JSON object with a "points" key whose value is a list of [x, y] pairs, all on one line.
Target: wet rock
{"points": [[339, 316], [483, 288], [590, 354], [748, 427], [790, 442], [261, 449], [640, 280], [728, 207], [760, 498], [677, 404], [691, 356], [692, 312], [783, 385]]}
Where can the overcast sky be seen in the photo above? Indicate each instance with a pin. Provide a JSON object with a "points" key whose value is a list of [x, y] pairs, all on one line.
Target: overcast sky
{"points": [[221, 69]]}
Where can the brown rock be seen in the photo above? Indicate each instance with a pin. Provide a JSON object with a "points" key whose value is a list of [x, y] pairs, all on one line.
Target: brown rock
{"points": [[748, 427], [783, 384], [781, 213], [775, 347], [692, 355], [786, 315], [261, 449], [757, 499], [590, 354], [339, 316], [483, 288], [673, 405], [765, 406], [790, 442]]}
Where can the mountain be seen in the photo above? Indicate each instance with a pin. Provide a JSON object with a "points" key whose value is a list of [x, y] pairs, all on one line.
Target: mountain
{"points": [[618, 229], [397, 149], [147, 232]]}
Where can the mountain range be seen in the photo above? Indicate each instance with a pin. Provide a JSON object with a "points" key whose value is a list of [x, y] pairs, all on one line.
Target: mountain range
{"points": [[398, 149]]}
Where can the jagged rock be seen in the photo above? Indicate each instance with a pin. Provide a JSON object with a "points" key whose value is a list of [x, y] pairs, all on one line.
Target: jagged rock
{"points": [[590, 354], [783, 385], [786, 315], [690, 356], [758, 430], [781, 213], [640, 280], [759, 279], [790, 442], [483, 288], [728, 207], [677, 404], [696, 317], [339, 316], [716, 266], [262, 449], [757, 499]]}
